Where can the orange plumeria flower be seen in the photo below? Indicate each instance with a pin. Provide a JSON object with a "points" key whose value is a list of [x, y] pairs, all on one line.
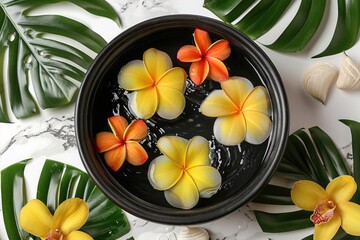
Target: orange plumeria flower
{"points": [[206, 58], [123, 142]]}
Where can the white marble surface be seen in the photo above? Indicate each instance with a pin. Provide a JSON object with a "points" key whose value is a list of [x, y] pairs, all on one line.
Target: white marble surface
{"points": [[51, 134]]}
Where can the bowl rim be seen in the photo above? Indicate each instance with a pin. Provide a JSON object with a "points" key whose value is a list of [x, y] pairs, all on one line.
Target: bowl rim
{"points": [[140, 208]]}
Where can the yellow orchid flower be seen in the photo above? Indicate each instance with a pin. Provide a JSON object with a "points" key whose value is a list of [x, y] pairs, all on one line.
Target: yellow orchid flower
{"points": [[184, 172], [242, 111], [157, 86], [70, 216], [331, 206]]}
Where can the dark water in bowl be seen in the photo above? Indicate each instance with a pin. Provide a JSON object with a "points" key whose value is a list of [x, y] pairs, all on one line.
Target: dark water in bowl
{"points": [[236, 164]]}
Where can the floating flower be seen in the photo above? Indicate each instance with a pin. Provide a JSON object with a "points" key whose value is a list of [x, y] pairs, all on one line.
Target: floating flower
{"points": [[206, 58], [157, 86], [242, 110], [331, 206], [123, 142], [70, 216], [184, 172]]}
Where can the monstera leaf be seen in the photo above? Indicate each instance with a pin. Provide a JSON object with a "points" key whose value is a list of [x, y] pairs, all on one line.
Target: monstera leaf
{"points": [[265, 14], [310, 155], [52, 68], [57, 183]]}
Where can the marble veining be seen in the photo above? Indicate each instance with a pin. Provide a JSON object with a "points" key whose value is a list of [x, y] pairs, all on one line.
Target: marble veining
{"points": [[60, 128], [136, 11], [147, 4]]}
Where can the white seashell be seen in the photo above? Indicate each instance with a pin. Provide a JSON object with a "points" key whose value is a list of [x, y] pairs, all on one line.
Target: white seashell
{"points": [[193, 233], [349, 75], [317, 79]]}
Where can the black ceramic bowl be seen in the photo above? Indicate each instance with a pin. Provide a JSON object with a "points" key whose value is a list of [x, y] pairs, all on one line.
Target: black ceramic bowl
{"points": [[245, 169]]}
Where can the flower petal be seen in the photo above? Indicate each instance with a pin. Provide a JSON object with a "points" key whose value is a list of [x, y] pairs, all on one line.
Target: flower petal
{"points": [[217, 70], [207, 180], [36, 218], [136, 131], [118, 125], [106, 141], [202, 40], [307, 194], [217, 104], [76, 235], [174, 78], [230, 130], [174, 148], [237, 89], [199, 71], [135, 153], [71, 215], [143, 103], [171, 102], [163, 173], [134, 76], [342, 188], [258, 127], [327, 230], [197, 152], [156, 63], [350, 217], [115, 157], [184, 194], [189, 53], [219, 49], [258, 100]]}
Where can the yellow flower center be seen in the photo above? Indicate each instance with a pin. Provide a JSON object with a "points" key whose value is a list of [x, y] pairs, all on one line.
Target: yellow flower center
{"points": [[54, 235], [323, 212]]}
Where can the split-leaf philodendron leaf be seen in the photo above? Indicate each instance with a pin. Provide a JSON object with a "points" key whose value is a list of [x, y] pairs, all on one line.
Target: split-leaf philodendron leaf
{"points": [[30, 58], [309, 155], [57, 183], [261, 16]]}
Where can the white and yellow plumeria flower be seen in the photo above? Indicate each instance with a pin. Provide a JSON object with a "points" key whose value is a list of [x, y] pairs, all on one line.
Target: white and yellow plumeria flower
{"points": [[70, 216], [184, 172], [157, 86], [242, 111]]}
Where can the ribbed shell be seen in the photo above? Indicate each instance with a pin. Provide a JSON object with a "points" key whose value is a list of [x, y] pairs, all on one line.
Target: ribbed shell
{"points": [[349, 75], [193, 233]]}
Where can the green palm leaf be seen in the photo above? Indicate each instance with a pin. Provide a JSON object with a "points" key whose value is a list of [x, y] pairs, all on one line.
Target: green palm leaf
{"points": [[57, 183], [13, 198], [299, 32], [314, 156], [283, 222], [281, 196], [302, 28], [55, 69], [347, 27], [262, 17], [355, 135]]}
